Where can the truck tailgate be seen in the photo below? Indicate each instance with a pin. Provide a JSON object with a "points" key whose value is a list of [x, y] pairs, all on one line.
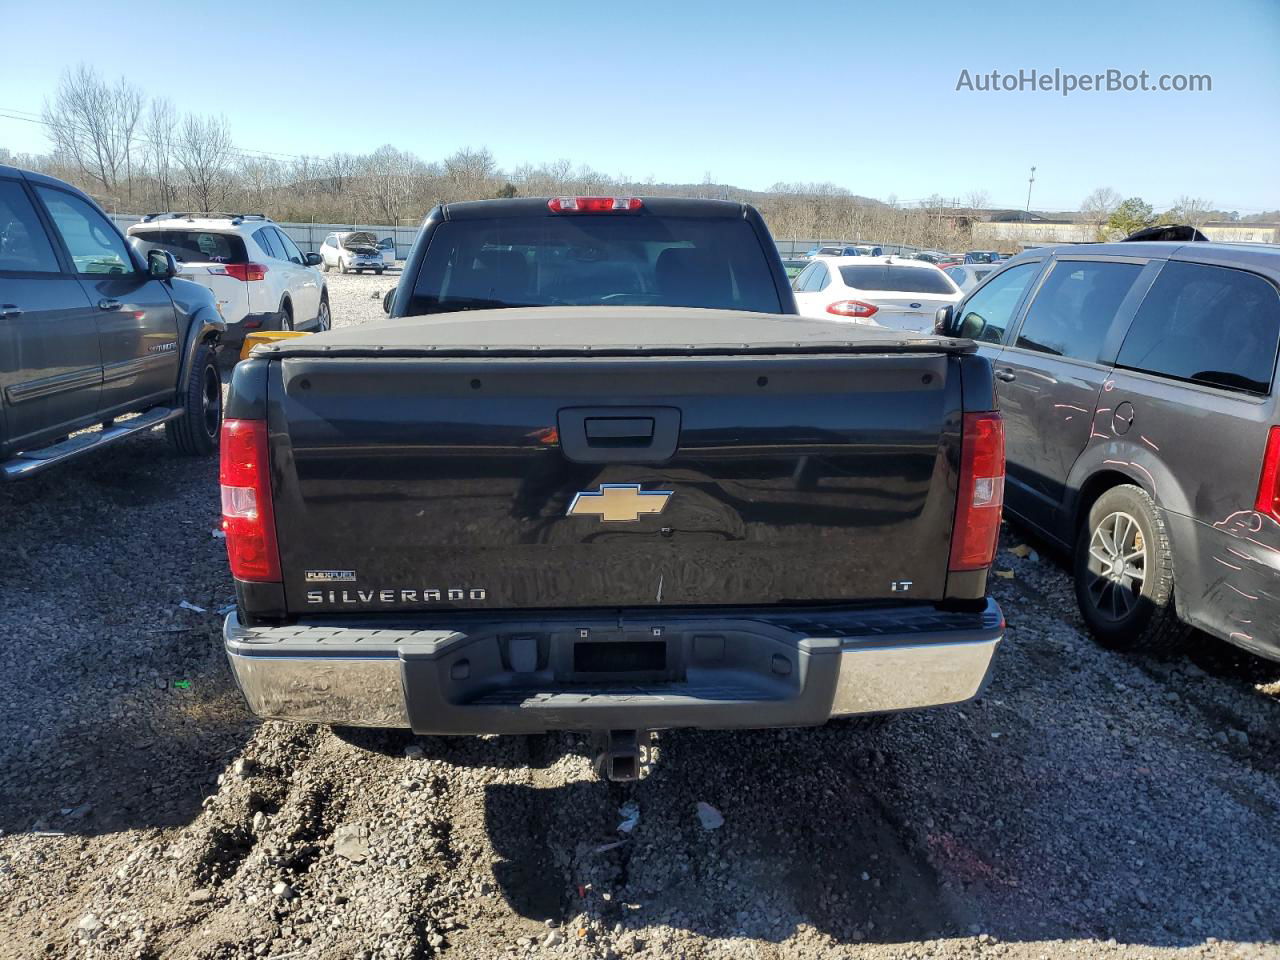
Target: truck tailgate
{"points": [[403, 483]]}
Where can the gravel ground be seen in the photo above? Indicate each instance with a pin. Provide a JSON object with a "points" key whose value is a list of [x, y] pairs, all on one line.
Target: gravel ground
{"points": [[357, 297], [1089, 804]]}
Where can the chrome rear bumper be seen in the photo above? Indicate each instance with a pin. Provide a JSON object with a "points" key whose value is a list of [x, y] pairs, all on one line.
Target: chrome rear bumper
{"points": [[730, 672]]}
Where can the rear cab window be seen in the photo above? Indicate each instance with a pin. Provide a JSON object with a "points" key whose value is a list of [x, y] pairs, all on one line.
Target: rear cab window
{"points": [[192, 246], [1210, 325], [584, 260], [887, 276]]}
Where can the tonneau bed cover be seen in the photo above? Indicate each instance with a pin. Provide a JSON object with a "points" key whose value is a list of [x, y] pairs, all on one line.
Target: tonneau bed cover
{"points": [[597, 331]]}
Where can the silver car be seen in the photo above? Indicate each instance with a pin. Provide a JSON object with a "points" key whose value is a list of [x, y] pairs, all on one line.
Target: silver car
{"points": [[356, 250]]}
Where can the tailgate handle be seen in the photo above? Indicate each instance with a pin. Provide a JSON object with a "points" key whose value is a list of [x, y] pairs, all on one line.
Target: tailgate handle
{"points": [[619, 434], [619, 431]]}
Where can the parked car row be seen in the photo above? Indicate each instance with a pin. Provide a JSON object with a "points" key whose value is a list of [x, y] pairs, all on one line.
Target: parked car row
{"points": [[1137, 380], [845, 250]]}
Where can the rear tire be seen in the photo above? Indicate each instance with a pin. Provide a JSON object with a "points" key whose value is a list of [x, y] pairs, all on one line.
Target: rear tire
{"points": [[324, 319], [1124, 573], [286, 316], [195, 433], [326, 266]]}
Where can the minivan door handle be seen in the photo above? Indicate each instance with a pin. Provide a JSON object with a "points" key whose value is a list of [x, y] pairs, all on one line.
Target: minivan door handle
{"points": [[106, 304], [1007, 375]]}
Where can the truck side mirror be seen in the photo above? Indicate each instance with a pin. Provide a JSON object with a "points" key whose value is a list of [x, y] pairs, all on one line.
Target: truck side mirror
{"points": [[312, 259], [161, 264], [943, 319]]}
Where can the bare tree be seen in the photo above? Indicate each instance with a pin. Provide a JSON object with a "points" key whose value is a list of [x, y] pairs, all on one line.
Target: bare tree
{"points": [[339, 168], [203, 150], [1192, 211], [977, 200], [471, 173], [93, 126], [259, 178], [388, 178], [193, 157], [158, 136], [1097, 208]]}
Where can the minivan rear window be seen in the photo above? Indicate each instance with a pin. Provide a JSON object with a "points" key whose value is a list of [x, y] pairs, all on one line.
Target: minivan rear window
{"points": [[1207, 324], [585, 260], [881, 276], [193, 246]]}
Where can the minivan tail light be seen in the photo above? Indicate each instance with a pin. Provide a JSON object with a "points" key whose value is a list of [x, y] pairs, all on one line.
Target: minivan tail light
{"points": [[1268, 501], [246, 271], [247, 517], [593, 204], [981, 494], [853, 308]]}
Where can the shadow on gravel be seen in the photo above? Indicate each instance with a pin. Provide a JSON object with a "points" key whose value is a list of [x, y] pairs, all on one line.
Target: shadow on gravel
{"points": [[151, 769], [117, 709], [463, 751], [830, 829], [798, 846]]}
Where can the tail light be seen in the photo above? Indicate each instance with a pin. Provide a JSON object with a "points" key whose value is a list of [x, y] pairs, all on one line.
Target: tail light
{"points": [[1268, 501], [247, 517], [246, 271], [853, 308], [593, 204], [981, 495]]}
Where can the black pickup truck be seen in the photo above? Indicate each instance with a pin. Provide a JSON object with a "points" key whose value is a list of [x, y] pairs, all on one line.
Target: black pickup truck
{"points": [[94, 336], [630, 491]]}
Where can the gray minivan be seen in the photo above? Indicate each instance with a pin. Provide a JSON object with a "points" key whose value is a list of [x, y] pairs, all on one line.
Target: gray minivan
{"points": [[1138, 386]]}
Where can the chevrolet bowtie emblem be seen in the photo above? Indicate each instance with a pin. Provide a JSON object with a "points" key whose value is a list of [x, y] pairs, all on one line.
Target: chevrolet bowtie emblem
{"points": [[618, 502]]}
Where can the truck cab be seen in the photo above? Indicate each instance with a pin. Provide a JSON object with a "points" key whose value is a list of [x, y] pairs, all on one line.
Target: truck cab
{"points": [[91, 335]]}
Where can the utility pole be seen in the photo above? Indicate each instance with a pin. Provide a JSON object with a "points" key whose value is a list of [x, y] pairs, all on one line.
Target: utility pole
{"points": [[1029, 183]]}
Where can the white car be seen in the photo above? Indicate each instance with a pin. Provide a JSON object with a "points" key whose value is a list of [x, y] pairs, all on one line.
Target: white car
{"points": [[888, 291], [969, 275], [260, 278], [356, 250]]}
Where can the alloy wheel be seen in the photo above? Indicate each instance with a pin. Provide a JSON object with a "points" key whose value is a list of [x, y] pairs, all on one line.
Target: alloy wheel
{"points": [[211, 401], [1117, 566]]}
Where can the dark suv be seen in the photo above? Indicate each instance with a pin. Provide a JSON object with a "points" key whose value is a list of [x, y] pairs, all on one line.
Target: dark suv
{"points": [[1138, 386], [90, 334]]}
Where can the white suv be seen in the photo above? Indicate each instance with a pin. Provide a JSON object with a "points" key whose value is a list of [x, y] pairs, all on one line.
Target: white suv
{"points": [[356, 250], [262, 281]]}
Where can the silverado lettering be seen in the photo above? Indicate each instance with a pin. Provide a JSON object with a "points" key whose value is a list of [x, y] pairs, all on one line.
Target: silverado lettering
{"points": [[391, 595]]}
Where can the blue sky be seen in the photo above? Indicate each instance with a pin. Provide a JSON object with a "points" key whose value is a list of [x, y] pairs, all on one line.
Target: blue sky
{"points": [[859, 94]]}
